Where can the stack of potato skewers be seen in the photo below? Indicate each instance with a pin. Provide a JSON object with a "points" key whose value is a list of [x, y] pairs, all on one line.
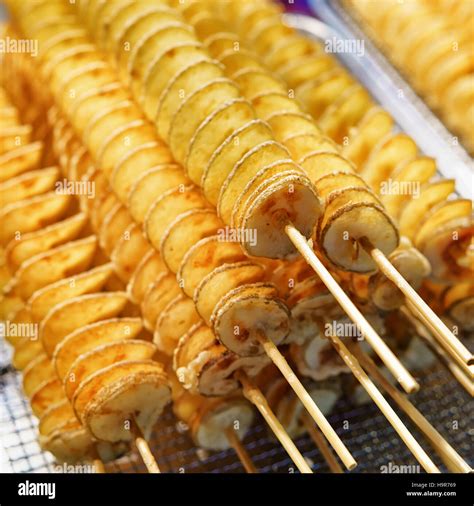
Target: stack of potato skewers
{"points": [[114, 213]]}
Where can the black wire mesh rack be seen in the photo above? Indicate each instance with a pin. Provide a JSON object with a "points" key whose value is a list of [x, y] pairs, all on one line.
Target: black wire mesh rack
{"points": [[372, 441]]}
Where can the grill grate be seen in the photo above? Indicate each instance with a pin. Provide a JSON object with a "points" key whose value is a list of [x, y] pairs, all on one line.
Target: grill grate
{"points": [[368, 435]]}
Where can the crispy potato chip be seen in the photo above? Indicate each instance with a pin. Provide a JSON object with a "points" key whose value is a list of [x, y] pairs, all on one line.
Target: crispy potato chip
{"points": [[151, 184], [267, 103], [37, 372], [169, 65], [19, 160], [103, 356], [184, 232], [415, 210], [301, 146], [254, 82], [212, 132], [26, 350], [157, 297], [407, 179], [50, 392], [113, 227], [150, 267], [27, 185], [228, 155], [32, 214], [57, 416], [321, 163], [14, 137], [174, 321], [289, 197], [136, 162], [90, 336], [373, 127], [205, 256], [168, 207], [44, 299], [115, 394], [305, 68], [50, 266], [194, 110], [288, 124], [221, 281], [244, 170], [129, 250], [67, 316], [246, 310], [388, 154]]}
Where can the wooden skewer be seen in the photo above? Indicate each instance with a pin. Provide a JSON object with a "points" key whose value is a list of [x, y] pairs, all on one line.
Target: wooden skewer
{"points": [[383, 405], [280, 361], [239, 448], [383, 351], [144, 449], [255, 396], [439, 329], [450, 457], [460, 374], [430, 328], [321, 443]]}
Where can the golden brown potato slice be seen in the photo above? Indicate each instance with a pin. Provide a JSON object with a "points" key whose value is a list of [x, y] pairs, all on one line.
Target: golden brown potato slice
{"points": [[32, 214], [305, 68], [66, 317], [90, 336], [289, 124], [157, 298], [253, 83], [228, 155], [205, 256], [13, 137], [149, 268], [37, 372], [168, 207], [289, 48], [236, 61], [150, 185], [106, 120], [388, 154], [194, 110], [20, 160], [57, 416], [136, 162], [184, 232], [345, 112], [103, 356], [106, 400], [246, 310], [174, 321], [27, 185], [162, 40], [50, 392], [42, 240], [267, 104], [46, 268], [71, 443], [244, 170], [415, 210], [27, 348], [354, 213], [164, 70], [319, 164], [289, 198], [407, 180], [220, 282], [183, 84], [212, 132], [86, 282], [121, 141], [213, 374], [129, 251], [113, 227], [302, 145], [375, 125]]}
